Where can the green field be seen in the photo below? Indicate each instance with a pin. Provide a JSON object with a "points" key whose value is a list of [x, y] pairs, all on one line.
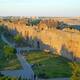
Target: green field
{"points": [[47, 65]]}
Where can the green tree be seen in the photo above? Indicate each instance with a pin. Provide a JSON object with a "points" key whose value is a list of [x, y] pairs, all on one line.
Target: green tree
{"points": [[8, 51], [1, 28], [35, 22], [18, 38]]}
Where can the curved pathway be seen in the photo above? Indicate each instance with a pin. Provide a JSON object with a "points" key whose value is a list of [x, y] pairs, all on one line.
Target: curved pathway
{"points": [[26, 67], [17, 48], [26, 72], [5, 40]]}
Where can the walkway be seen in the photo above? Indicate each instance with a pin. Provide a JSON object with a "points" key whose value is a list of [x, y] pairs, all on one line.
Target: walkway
{"points": [[26, 67], [19, 49], [25, 73], [4, 39]]}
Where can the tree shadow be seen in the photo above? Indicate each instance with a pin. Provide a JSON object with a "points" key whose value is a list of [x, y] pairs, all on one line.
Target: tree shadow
{"points": [[68, 54]]}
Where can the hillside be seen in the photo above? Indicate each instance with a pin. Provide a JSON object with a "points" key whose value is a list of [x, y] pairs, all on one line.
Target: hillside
{"points": [[65, 42]]}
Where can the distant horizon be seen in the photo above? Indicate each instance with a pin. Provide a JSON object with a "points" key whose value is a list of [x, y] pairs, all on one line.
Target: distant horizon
{"points": [[62, 8], [43, 16]]}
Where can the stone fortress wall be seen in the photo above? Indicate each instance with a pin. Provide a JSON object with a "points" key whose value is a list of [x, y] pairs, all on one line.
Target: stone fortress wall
{"points": [[63, 42]]}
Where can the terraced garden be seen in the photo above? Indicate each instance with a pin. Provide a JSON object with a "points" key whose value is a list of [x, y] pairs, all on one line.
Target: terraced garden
{"points": [[47, 65]]}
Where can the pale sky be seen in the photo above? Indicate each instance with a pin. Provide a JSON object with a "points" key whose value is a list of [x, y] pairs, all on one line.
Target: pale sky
{"points": [[40, 8]]}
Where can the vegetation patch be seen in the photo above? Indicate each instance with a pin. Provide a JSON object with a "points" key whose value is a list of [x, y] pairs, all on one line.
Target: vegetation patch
{"points": [[8, 58], [47, 65]]}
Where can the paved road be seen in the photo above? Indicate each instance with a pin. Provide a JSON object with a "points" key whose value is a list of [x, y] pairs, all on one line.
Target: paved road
{"points": [[26, 67], [26, 71], [4, 39], [18, 48], [12, 73]]}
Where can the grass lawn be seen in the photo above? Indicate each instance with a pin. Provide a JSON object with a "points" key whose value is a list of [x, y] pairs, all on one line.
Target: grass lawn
{"points": [[49, 65], [10, 64]]}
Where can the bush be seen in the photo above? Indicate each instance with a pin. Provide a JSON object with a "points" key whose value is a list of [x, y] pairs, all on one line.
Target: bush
{"points": [[42, 75], [8, 51], [76, 71], [17, 38]]}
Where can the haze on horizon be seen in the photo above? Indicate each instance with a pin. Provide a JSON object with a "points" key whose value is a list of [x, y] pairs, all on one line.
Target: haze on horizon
{"points": [[40, 8]]}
